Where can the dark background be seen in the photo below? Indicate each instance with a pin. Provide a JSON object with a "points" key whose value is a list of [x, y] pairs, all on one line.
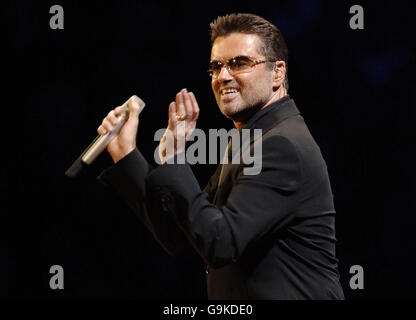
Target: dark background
{"points": [[355, 89]]}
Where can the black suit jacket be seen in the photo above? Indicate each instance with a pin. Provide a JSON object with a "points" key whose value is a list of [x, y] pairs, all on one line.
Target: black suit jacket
{"points": [[264, 236]]}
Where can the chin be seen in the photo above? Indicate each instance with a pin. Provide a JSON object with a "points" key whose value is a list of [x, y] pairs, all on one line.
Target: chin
{"points": [[239, 114], [229, 111]]}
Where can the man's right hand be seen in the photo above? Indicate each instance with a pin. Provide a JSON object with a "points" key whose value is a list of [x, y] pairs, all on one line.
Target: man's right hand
{"points": [[125, 142]]}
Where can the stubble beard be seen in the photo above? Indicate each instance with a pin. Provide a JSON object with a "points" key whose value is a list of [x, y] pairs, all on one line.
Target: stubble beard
{"points": [[242, 109]]}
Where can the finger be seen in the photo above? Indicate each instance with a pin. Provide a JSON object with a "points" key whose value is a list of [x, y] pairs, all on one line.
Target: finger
{"points": [[194, 106], [118, 110], [107, 125], [112, 118], [188, 105], [172, 116], [180, 108], [101, 130]]}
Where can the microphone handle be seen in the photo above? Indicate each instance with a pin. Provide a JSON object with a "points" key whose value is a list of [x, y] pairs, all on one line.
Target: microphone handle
{"points": [[101, 141], [99, 144]]}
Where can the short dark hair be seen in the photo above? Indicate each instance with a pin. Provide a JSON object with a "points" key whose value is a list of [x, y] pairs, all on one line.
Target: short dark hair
{"points": [[274, 46]]}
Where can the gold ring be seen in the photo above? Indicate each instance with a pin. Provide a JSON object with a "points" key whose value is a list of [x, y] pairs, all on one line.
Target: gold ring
{"points": [[180, 118]]}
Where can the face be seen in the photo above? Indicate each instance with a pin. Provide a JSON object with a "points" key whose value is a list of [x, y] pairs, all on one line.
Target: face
{"points": [[250, 91]]}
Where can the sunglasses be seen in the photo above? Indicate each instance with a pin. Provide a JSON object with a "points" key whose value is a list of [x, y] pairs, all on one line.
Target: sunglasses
{"points": [[240, 64]]}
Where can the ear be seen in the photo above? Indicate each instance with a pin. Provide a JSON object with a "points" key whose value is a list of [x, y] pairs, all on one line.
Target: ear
{"points": [[279, 74]]}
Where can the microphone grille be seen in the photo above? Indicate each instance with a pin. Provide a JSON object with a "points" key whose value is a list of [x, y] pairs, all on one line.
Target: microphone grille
{"points": [[141, 104]]}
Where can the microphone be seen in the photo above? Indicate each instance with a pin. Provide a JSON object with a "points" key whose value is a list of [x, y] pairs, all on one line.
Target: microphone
{"points": [[101, 141]]}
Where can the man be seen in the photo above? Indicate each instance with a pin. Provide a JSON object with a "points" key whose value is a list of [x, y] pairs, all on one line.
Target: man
{"points": [[264, 236]]}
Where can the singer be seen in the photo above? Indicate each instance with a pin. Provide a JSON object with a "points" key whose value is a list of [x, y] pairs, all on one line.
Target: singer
{"points": [[264, 236]]}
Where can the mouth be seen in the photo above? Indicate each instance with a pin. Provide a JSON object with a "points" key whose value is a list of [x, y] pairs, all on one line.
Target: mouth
{"points": [[229, 93]]}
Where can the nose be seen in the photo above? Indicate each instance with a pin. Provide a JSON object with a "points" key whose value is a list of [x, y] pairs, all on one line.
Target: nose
{"points": [[224, 74]]}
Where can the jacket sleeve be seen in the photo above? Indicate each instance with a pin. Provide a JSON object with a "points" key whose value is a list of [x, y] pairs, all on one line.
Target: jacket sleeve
{"points": [[257, 205], [127, 177]]}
